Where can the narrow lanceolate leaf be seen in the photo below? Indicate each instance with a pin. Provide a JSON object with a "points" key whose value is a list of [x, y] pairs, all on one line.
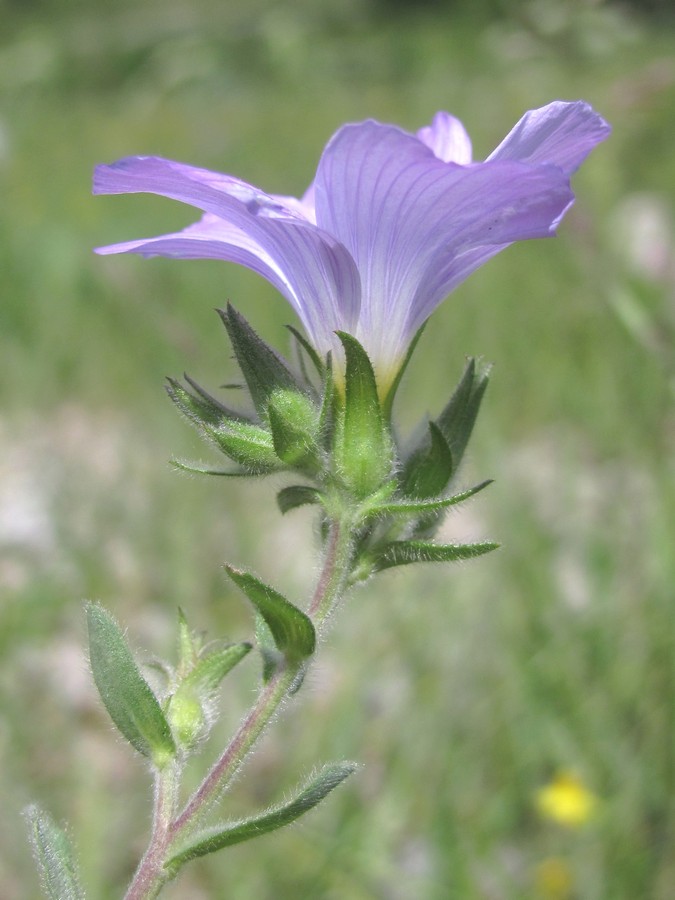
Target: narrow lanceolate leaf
{"points": [[263, 368], [457, 419], [402, 553], [225, 835], [291, 629], [210, 670], [429, 467], [54, 856], [309, 350], [363, 452], [327, 412], [197, 469], [391, 393], [411, 507], [297, 495], [199, 407], [125, 693]]}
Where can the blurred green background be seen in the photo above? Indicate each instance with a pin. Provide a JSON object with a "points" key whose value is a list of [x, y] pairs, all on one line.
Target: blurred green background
{"points": [[462, 690]]}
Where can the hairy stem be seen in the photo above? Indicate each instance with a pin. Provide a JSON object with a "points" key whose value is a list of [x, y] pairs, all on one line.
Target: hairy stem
{"points": [[169, 829], [151, 875]]}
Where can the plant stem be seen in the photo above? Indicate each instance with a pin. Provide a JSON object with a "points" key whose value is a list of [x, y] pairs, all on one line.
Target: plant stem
{"points": [[151, 875], [269, 700], [169, 828]]}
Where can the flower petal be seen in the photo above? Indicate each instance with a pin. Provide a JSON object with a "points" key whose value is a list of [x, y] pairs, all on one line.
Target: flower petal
{"points": [[407, 217], [561, 133], [268, 234], [448, 139]]}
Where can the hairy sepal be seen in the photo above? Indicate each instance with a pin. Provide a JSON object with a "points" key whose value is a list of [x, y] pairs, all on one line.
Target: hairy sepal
{"points": [[363, 451]]}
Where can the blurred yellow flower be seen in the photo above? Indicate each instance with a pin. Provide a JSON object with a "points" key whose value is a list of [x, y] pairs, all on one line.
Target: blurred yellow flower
{"points": [[566, 800], [553, 879]]}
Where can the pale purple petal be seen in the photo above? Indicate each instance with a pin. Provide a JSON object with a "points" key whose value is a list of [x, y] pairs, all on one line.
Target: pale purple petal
{"points": [[268, 234], [561, 133], [447, 138], [405, 216]]}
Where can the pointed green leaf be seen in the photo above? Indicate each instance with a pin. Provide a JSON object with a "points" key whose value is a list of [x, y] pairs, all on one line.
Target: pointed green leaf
{"points": [[363, 452], [457, 419], [391, 393], [263, 368], [292, 630], [216, 405], [429, 467], [54, 856], [309, 350], [410, 507], [125, 693], [221, 836], [184, 466], [402, 553], [188, 645], [328, 402], [199, 407], [297, 495], [210, 670]]}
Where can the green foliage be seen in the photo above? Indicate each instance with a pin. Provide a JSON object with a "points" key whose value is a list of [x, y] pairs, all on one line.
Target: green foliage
{"points": [[296, 495], [294, 424], [221, 836], [126, 695], [291, 629], [54, 856], [402, 553]]}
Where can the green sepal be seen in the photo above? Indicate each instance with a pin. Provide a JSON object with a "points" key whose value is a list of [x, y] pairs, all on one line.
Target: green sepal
{"points": [[328, 403], [390, 396], [126, 695], [194, 469], [262, 367], [292, 630], [309, 350], [199, 407], [296, 495], [409, 508], [54, 856], [363, 449], [429, 467], [457, 419], [294, 425], [220, 836], [402, 553], [249, 445]]}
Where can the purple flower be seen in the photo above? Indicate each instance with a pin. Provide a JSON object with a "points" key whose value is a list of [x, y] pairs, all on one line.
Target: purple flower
{"points": [[391, 224]]}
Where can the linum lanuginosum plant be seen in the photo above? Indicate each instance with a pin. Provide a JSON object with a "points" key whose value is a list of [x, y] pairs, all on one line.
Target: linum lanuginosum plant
{"points": [[391, 224]]}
